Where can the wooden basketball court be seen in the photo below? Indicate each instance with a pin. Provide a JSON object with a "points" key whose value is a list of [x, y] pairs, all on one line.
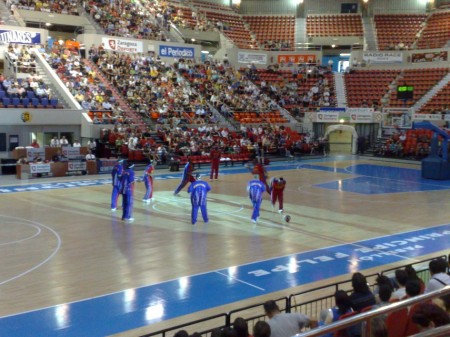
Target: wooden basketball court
{"points": [[65, 245]]}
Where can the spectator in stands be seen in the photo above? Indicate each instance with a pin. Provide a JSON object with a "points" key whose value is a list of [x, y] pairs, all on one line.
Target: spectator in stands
{"points": [[412, 288], [90, 155], [285, 324], [401, 277], [181, 333], [361, 296], [439, 279], [76, 143], [241, 327], [428, 316], [385, 294], [343, 306], [262, 329], [34, 144], [412, 275], [55, 142], [63, 141], [443, 302], [382, 280], [379, 328], [59, 157]]}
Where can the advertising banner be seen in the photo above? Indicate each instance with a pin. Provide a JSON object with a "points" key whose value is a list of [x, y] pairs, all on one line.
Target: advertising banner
{"points": [[178, 52], [361, 115], [244, 57], [383, 57], [71, 152], [428, 117], [19, 36], [33, 152], [429, 57], [122, 45], [77, 166], [327, 117], [295, 58], [106, 165], [39, 168]]}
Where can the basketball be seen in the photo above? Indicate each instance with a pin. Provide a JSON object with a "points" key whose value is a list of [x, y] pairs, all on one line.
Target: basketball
{"points": [[287, 218]]}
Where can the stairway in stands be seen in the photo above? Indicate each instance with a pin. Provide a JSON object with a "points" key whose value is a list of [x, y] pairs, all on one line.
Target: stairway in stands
{"points": [[6, 17], [341, 95], [433, 91], [130, 113], [369, 33]]}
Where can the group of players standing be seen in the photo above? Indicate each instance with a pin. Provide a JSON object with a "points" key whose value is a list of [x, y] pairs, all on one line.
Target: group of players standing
{"points": [[123, 183]]}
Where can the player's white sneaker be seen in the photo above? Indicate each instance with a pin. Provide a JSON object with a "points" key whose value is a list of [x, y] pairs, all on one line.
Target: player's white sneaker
{"points": [[253, 220], [129, 219], [113, 209], [280, 211]]}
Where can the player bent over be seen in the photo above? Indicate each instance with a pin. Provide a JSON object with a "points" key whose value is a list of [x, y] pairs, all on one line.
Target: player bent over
{"points": [[199, 190], [277, 186]]}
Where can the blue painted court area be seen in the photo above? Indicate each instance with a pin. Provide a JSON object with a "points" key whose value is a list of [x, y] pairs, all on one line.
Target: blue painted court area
{"points": [[376, 179], [135, 308]]}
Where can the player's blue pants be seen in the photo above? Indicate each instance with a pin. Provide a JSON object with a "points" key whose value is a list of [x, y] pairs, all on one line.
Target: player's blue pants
{"points": [[114, 196], [127, 205], [148, 188], [184, 181], [256, 207], [195, 213]]}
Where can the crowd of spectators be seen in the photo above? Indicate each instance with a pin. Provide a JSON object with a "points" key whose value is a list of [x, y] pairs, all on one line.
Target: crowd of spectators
{"points": [[68, 7], [125, 19], [153, 88], [83, 82], [22, 57]]}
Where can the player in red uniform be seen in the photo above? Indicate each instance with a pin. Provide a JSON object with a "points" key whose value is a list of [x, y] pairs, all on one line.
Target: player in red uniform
{"points": [[214, 155], [277, 186], [259, 169]]}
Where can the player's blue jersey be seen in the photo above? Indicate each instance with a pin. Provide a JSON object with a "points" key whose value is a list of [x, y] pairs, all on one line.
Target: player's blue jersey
{"points": [[198, 190], [255, 189], [127, 181], [116, 174]]}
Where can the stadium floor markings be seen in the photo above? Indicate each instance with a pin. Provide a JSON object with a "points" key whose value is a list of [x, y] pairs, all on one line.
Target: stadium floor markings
{"points": [[275, 274]]}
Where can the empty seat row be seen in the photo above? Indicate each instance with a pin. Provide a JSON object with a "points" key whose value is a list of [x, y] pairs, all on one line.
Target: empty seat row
{"points": [[26, 102]]}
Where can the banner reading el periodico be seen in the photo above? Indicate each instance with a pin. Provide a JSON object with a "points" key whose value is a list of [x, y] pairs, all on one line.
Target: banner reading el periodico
{"points": [[178, 52], [122, 45]]}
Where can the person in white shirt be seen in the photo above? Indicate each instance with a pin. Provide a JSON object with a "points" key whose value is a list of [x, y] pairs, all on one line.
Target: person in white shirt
{"points": [[439, 279], [92, 145], [63, 141], [55, 142], [76, 143], [90, 156]]}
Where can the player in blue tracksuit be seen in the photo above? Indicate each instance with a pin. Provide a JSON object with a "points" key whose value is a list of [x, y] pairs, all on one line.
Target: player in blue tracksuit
{"points": [[256, 189], [148, 181], [116, 175], [127, 190], [199, 190], [187, 177]]}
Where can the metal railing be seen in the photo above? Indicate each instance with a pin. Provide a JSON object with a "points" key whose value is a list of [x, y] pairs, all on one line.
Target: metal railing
{"points": [[312, 308], [365, 317]]}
